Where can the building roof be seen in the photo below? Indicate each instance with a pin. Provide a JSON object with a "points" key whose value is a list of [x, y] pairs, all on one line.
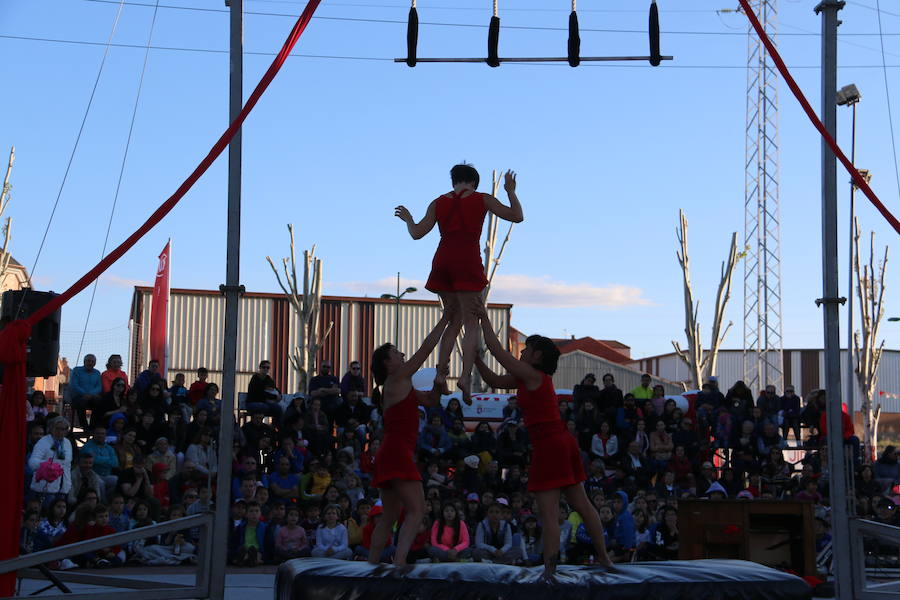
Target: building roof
{"points": [[12, 261], [276, 296], [593, 346]]}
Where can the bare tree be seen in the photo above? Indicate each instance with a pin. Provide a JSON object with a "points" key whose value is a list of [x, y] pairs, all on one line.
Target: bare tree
{"points": [[870, 291], [702, 364], [7, 225], [306, 299]]}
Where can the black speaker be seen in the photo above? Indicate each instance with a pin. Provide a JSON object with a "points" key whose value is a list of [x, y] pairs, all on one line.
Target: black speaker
{"points": [[43, 346]]}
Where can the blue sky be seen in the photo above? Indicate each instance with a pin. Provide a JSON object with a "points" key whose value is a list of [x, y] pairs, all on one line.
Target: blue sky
{"points": [[606, 155]]}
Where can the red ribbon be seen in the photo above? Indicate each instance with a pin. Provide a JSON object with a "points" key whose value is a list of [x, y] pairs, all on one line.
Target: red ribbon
{"points": [[795, 89], [14, 337]]}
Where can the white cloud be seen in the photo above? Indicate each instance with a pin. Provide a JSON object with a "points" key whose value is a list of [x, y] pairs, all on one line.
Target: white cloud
{"points": [[522, 290], [526, 290], [124, 282]]}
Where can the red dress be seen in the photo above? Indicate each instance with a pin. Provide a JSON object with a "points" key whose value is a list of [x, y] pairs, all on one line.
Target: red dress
{"points": [[457, 265], [555, 456], [395, 458]]}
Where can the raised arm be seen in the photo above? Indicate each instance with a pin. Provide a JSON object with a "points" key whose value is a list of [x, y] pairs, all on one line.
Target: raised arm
{"points": [[414, 363], [513, 212], [496, 381], [519, 370], [420, 229]]}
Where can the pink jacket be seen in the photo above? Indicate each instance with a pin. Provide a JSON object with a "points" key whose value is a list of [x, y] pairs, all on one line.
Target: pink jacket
{"points": [[447, 537]]}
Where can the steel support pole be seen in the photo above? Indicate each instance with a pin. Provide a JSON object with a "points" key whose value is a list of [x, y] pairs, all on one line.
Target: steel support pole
{"points": [[851, 378], [841, 565], [232, 291]]}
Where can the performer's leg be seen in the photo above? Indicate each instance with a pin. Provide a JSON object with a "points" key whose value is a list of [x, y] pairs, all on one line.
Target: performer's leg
{"points": [[578, 499], [448, 339], [390, 503], [413, 500], [467, 303], [548, 511]]}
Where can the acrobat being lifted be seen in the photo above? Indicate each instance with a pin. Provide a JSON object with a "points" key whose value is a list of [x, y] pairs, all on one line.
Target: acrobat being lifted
{"points": [[493, 59]]}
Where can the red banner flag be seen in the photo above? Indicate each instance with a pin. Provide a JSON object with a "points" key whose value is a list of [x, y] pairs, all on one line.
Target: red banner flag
{"points": [[159, 312]]}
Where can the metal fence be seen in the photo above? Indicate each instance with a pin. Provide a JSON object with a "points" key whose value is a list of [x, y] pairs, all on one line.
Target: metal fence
{"points": [[137, 589]]}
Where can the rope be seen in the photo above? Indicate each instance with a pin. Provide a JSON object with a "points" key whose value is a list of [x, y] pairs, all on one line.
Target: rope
{"points": [[858, 179], [495, 9], [887, 91], [413, 3], [112, 211], [65, 178], [214, 152], [573, 5]]}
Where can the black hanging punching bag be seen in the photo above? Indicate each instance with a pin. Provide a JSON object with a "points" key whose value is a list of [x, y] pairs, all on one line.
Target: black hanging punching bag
{"points": [[655, 57], [493, 58], [412, 37], [574, 41]]}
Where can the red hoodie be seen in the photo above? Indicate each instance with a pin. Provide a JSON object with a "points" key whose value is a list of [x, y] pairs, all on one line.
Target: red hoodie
{"points": [[846, 424]]}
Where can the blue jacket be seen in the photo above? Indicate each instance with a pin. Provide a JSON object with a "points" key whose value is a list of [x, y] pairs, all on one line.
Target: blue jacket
{"points": [[83, 382], [624, 532], [105, 458], [428, 444], [263, 536]]}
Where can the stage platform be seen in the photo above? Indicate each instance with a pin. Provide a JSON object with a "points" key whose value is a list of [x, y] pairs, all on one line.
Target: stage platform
{"points": [[327, 579]]}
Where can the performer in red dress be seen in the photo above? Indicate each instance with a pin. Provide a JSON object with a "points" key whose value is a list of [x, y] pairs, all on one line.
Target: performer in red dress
{"points": [[396, 473], [556, 466], [457, 271]]}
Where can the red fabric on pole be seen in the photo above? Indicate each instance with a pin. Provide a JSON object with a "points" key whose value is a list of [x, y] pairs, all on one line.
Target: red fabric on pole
{"points": [[12, 443], [14, 337], [795, 89], [159, 312]]}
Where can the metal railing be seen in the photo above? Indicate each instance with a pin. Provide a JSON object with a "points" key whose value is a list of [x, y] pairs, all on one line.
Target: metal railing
{"points": [[139, 589], [859, 529]]}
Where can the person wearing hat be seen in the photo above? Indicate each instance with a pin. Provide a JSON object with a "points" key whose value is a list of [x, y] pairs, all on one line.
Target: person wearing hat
{"points": [[556, 467], [396, 473], [716, 491]]}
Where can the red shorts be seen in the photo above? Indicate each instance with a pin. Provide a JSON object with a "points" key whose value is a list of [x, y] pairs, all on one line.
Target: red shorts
{"points": [[555, 458], [457, 266]]}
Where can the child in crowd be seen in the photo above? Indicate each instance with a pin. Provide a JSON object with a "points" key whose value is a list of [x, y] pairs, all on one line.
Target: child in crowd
{"points": [[290, 541], [331, 536]]}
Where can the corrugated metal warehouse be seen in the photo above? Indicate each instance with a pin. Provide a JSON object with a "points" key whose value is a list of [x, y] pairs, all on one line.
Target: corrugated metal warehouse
{"points": [[804, 369], [268, 330]]}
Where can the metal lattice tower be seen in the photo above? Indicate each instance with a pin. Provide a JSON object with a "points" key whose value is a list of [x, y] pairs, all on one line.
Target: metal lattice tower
{"points": [[763, 346]]}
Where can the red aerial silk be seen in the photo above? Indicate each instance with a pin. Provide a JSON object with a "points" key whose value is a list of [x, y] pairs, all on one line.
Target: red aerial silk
{"points": [[858, 179], [15, 335]]}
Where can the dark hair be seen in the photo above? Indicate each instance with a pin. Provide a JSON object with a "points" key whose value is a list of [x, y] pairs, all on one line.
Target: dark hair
{"points": [[202, 370], [549, 352], [379, 371], [464, 173], [101, 509], [454, 524]]}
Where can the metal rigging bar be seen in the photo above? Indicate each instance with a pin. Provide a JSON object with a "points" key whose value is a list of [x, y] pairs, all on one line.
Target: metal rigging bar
{"points": [[535, 59]]}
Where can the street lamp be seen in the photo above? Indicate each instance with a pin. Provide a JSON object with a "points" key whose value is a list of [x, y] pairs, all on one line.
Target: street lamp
{"points": [[396, 297], [849, 96]]}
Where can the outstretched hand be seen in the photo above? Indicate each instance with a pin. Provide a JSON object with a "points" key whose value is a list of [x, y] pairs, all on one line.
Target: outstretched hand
{"points": [[509, 182], [403, 214]]}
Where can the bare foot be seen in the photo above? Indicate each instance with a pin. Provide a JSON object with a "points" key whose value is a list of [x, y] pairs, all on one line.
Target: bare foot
{"points": [[464, 384]]}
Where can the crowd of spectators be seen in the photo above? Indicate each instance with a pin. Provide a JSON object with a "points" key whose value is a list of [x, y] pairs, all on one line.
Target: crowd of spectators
{"points": [[147, 452]]}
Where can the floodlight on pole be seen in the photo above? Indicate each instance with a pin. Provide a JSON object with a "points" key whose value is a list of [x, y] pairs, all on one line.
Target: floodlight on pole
{"points": [[396, 297]]}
